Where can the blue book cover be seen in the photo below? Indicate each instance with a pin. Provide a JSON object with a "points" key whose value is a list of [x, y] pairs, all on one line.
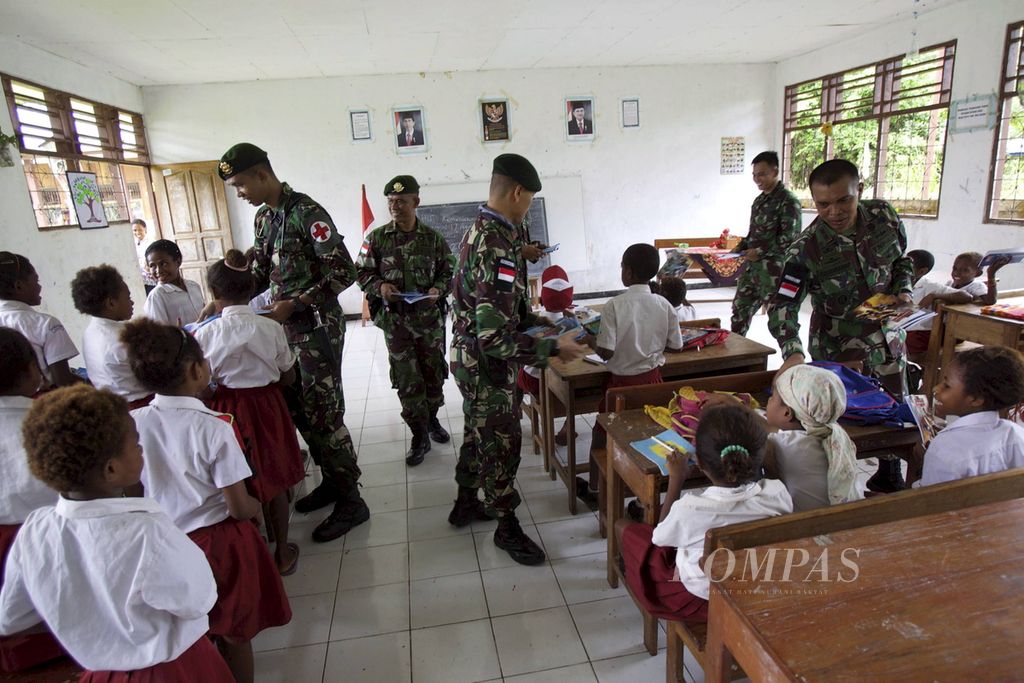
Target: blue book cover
{"points": [[657, 452]]}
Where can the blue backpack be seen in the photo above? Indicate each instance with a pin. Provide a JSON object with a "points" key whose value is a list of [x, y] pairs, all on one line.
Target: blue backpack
{"points": [[867, 402]]}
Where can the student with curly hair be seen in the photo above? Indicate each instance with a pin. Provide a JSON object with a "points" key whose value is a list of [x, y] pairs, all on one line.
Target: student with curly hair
{"points": [[977, 385], [249, 356], [662, 562], [175, 300], [124, 591], [20, 293], [102, 294], [196, 470]]}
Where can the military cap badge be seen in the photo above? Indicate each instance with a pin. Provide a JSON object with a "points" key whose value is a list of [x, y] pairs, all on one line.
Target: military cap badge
{"points": [[225, 168], [398, 187]]}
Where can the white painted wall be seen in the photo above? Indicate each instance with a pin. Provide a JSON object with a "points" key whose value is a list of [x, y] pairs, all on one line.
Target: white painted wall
{"points": [[59, 254], [980, 29], [627, 186]]}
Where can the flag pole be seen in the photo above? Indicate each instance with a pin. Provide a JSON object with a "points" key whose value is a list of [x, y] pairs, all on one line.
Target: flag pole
{"points": [[367, 222]]}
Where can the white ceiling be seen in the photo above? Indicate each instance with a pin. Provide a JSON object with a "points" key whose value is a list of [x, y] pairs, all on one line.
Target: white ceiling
{"points": [[151, 42]]}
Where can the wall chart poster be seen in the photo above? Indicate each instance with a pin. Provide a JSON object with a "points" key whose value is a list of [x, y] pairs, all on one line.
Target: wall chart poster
{"points": [[85, 193], [494, 119], [733, 151]]}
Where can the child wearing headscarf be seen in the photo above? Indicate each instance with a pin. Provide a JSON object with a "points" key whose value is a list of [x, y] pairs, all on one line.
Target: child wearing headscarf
{"points": [[811, 453]]}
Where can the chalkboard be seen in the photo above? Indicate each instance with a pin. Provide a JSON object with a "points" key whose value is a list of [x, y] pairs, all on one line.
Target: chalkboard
{"points": [[453, 220]]}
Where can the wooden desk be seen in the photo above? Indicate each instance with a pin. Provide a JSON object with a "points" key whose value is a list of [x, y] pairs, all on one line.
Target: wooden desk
{"points": [[965, 322], [935, 598], [578, 387]]}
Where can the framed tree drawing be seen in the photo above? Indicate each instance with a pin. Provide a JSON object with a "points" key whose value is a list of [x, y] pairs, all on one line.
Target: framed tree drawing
{"points": [[85, 194]]}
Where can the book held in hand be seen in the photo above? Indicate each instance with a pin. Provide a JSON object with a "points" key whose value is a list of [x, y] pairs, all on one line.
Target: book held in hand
{"points": [[928, 423], [413, 297], [1015, 255], [888, 310], [657, 448]]}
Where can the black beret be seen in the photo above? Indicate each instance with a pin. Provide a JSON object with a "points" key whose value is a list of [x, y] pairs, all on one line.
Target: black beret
{"points": [[518, 169], [402, 184], [241, 157]]}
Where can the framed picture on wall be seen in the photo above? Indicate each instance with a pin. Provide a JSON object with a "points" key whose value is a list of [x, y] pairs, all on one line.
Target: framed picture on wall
{"points": [[359, 124], [410, 130], [630, 112], [494, 120], [579, 118], [85, 193]]}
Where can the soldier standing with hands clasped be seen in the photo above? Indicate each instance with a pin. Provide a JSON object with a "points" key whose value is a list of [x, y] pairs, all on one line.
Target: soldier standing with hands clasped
{"points": [[408, 256], [491, 312], [301, 256]]}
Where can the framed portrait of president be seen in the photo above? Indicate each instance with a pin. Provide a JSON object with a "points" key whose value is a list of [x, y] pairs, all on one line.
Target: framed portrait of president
{"points": [[579, 118], [410, 130]]}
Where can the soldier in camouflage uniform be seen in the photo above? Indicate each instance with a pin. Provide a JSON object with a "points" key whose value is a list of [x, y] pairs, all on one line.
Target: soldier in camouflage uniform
{"points": [[301, 256], [407, 256], [775, 220], [852, 250], [489, 345]]}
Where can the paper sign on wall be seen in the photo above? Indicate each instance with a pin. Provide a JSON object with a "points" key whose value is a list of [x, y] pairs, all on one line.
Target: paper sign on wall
{"points": [[733, 151], [973, 113]]}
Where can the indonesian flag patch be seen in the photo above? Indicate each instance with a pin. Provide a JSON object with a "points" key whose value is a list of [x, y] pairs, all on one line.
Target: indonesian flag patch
{"points": [[365, 249], [320, 231], [505, 277], [789, 286]]}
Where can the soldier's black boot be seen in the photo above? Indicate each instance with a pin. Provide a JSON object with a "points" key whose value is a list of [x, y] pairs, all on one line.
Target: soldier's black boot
{"points": [[468, 508], [320, 497], [420, 446], [888, 478], [349, 512], [511, 538], [438, 433]]}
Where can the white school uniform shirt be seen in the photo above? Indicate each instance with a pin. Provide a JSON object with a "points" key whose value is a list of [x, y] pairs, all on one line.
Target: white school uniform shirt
{"points": [[685, 313], [245, 350], [20, 491], [115, 581], [637, 325], [924, 287], [46, 334], [979, 443], [106, 359], [803, 468], [190, 454], [694, 513], [172, 305]]}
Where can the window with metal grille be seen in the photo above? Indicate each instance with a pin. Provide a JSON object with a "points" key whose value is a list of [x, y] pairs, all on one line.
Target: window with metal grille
{"points": [[59, 132], [1006, 188], [889, 118]]}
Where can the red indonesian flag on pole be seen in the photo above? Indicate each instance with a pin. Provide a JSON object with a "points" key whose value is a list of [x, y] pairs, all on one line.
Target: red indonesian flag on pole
{"points": [[367, 212]]}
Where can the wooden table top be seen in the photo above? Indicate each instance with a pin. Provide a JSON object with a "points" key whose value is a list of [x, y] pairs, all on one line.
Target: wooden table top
{"points": [[634, 425], [936, 598], [735, 347], [975, 309]]}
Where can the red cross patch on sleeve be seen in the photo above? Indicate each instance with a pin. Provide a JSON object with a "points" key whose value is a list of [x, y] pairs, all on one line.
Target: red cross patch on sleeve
{"points": [[320, 231]]}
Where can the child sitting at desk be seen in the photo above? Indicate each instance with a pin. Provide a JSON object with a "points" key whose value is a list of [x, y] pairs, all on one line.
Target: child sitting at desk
{"points": [[810, 452], [979, 383], [674, 291], [637, 327], [662, 563]]}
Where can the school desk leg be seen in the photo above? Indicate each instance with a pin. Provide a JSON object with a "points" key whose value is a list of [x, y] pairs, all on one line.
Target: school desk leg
{"points": [[570, 449], [673, 658], [717, 659], [614, 502]]}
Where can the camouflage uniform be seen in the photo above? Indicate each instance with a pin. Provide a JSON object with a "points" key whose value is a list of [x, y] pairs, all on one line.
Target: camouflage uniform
{"points": [[308, 256], [414, 261], [840, 271], [488, 346], [775, 220]]}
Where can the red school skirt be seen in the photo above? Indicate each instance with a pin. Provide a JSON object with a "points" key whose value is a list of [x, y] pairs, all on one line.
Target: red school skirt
{"points": [[649, 572], [268, 436], [22, 651], [250, 595], [201, 663]]}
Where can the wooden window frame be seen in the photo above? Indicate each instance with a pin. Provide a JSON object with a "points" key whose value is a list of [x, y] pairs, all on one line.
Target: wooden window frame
{"points": [[1008, 84], [884, 104]]}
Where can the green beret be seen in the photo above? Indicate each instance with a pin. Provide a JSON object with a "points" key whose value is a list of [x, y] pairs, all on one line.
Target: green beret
{"points": [[241, 157], [402, 184], [518, 169]]}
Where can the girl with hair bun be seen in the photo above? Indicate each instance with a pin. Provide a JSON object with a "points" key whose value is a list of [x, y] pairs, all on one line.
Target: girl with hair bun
{"points": [[175, 300], [662, 563]]}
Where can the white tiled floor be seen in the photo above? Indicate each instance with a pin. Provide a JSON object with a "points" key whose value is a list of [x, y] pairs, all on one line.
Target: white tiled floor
{"points": [[407, 597]]}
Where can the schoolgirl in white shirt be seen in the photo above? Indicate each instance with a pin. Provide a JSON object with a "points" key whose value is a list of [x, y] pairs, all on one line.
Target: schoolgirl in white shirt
{"points": [[196, 470], [979, 383], [175, 300], [20, 491], [124, 591], [249, 356], [102, 294], [662, 562], [20, 292]]}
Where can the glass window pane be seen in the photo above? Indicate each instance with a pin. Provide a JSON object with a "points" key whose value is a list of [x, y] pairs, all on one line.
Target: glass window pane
{"points": [[857, 141], [913, 162], [805, 149]]}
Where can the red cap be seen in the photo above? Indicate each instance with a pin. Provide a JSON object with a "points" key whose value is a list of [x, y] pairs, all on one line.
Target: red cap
{"points": [[556, 290]]}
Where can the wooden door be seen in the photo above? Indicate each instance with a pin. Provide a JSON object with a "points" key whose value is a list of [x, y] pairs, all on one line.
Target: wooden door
{"points": [[194, 214]]}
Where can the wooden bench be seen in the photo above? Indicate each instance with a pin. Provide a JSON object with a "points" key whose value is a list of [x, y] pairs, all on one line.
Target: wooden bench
{"points": [[950, 496]]}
